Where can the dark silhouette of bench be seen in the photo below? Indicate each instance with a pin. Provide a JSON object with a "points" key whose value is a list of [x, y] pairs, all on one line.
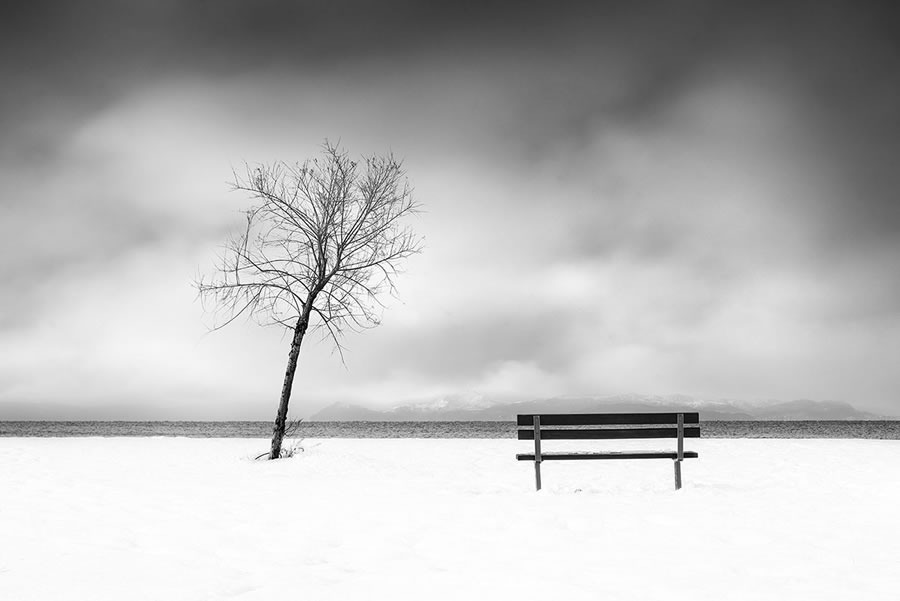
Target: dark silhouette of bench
{"points": [[607, 426]]}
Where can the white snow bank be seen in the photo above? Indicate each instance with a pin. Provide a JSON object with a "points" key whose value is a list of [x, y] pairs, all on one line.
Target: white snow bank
{"points": [[172, 519]]}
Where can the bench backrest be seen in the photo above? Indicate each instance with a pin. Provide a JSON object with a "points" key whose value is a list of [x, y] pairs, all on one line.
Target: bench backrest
{"points": [[639, 425]]}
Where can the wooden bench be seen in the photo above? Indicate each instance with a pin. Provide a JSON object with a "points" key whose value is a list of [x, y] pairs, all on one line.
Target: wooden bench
{"points": [[577, 426]]}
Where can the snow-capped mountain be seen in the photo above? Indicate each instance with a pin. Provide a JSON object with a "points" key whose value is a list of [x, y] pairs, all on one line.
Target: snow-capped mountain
{"points": [[475, 407], [467, 401]]}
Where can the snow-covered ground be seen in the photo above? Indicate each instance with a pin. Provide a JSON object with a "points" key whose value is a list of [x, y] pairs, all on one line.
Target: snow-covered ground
{"points": [[170, 519]]}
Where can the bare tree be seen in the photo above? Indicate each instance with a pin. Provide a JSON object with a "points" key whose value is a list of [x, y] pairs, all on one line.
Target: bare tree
{"points": [[323, 242]]}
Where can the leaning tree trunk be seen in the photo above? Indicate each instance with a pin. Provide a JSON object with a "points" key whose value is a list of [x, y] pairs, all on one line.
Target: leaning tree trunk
{"points": [[281, 417]]}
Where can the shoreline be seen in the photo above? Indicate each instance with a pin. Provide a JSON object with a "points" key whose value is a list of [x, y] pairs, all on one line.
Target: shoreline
{"points": [[807, 429]]}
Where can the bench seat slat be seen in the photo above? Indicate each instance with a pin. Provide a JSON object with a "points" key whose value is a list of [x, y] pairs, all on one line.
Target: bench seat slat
{"points": [[606, 419], [608, 455], [608, 433]]}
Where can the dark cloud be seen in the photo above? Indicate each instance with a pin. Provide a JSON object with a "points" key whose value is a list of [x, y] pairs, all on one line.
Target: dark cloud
{"points": [[82, 236], [567, 65], [477, 340]]}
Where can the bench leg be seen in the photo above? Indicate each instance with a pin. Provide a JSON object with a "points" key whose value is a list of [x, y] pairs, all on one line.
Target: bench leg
{"points": [[677, 474], [537, 475]]}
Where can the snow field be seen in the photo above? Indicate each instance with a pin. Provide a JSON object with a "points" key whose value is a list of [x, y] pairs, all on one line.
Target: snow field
{"points": [[198, 519]]}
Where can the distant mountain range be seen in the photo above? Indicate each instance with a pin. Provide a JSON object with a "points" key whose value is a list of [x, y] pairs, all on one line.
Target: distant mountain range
{"points": [[474, 407]]}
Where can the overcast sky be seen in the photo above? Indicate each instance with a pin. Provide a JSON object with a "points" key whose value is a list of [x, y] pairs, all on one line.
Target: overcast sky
{"points": [[690, 197]]}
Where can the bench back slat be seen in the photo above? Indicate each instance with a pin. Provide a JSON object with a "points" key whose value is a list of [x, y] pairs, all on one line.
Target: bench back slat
{"points": [[608, 433], [604, 419]]}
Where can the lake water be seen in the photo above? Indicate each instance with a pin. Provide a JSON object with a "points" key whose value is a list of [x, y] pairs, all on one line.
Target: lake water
{"points": [[710, 429]]}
